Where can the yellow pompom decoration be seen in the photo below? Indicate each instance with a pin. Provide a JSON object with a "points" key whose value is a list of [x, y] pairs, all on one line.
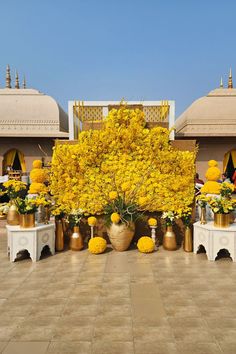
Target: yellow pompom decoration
{"points": [[152, 222], [97, 245], [36, 188], [38, 175], [145, 244], [92, 221], [212, 163], [113, 195], [37, 164], [115, 218]]}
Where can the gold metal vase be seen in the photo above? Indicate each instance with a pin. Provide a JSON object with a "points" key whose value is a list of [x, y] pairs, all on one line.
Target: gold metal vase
{"points": [[59, 236], [203, 216], [76, 240], [169, 239], [188, 240], [27, 220], [13, 217], [221, 220]]}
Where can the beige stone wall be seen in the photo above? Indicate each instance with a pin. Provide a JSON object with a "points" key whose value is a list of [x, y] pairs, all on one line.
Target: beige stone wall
{"points": [[29, 147]]}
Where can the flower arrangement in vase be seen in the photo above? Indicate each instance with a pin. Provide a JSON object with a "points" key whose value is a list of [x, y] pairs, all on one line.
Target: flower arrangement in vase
{"points": [[74, 218], [186, 218], [121, 212], [169, 239], [26, 208], [59, 212], [222, 207]]}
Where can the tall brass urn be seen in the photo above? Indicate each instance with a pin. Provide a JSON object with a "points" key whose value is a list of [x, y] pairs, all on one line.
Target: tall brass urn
{"points": [[169, 239], [76, 240], [59, 236], [121, 235]]}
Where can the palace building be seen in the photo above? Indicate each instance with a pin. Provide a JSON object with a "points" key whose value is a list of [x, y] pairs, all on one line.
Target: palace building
{"points": [[30, 121], [211, 121]]}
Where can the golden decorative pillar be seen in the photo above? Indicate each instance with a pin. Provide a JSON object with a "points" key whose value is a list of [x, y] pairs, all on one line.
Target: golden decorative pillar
{"points": [[8, 77], [230, 81]]}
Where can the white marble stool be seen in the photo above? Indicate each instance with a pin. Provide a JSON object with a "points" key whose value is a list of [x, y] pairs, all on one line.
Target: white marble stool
{"points": [[214, 239], [31, 239]]}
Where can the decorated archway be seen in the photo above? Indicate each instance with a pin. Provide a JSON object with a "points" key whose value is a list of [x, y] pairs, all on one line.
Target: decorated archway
{"points": [[15, 160], [229, 162]]}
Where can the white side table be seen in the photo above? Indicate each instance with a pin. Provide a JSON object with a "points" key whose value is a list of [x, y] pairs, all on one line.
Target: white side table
{"points": [[214, 239], [31, 239]]}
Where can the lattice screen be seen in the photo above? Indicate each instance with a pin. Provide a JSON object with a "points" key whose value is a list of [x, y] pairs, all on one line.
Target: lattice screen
{"points": [[156, 113], [89, 113]]}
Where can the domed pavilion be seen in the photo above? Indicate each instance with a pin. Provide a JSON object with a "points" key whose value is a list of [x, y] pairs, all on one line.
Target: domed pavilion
{"points": [[29, 123], [211, 120]]}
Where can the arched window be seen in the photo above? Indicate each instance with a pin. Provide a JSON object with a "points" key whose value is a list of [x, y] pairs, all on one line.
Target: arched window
{"points": [[13, 159]]}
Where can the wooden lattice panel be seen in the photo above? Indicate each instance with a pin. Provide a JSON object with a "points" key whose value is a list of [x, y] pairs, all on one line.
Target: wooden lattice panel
{"points": [[155, 114], [90, 113]]}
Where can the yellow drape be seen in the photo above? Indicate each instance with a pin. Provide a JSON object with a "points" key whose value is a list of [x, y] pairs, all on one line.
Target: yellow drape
{"points": [[10, 157], [233, 154], [226, 160], [22, 161]]}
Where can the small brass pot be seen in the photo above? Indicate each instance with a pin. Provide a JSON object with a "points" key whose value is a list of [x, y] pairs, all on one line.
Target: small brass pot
{"points": [[169, 239], [13, 215], [76, 240], [188, 240], [221, 220], [59, 236], [27, 220]]}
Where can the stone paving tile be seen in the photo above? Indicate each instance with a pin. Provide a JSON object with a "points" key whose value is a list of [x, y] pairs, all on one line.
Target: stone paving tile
{"points": [[117, 303]]}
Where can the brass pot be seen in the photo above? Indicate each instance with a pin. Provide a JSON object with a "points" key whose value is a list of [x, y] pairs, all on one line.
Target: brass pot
{"points": [[121, 235], [188, 240], [169, 239], [76, 240], [13, 215], [203, 216], [27, 220], [59, 236], [221, 220]]}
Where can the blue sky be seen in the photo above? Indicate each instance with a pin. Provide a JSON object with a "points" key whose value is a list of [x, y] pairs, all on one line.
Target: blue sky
{"points": [[109, 49]]}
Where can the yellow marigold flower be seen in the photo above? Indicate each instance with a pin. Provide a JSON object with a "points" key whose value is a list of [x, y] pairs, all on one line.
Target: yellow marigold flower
{"points": [[145, 244], [92, 221], [115, 218], [113, 195], [142, 200], [152, 222], [97, 245], [37, 164], [125, 186]]}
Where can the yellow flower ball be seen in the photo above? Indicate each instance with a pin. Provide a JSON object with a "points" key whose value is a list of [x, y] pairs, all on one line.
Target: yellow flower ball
{"points": [[115, 218], [145, 244], [92, 221], [37, 164], [97, 245], [38, 175], [125, 186], [113, 195], [152, 222], [36, 188]]}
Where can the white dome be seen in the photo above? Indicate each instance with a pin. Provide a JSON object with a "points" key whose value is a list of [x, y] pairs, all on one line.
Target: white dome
{"points": [[212, 115], [30, 113]]}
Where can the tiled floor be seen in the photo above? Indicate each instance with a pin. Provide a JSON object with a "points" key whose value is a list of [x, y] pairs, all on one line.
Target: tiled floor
{"points": [[117, 303]]}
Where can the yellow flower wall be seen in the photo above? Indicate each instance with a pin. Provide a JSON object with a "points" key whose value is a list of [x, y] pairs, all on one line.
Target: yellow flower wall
{"points": [[83, 175]]}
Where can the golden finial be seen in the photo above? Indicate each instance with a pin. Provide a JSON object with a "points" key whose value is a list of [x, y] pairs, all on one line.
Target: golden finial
{"points": [[17, 85], [221, 83], [24, 83], [8, 77], [230, 81]]}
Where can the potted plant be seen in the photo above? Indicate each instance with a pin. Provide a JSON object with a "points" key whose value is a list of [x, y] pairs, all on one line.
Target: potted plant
{"points": [[222, 207], [14, 189], [169, 239], [74, 218], [26, 208], [120, 216], [202, 201]]}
